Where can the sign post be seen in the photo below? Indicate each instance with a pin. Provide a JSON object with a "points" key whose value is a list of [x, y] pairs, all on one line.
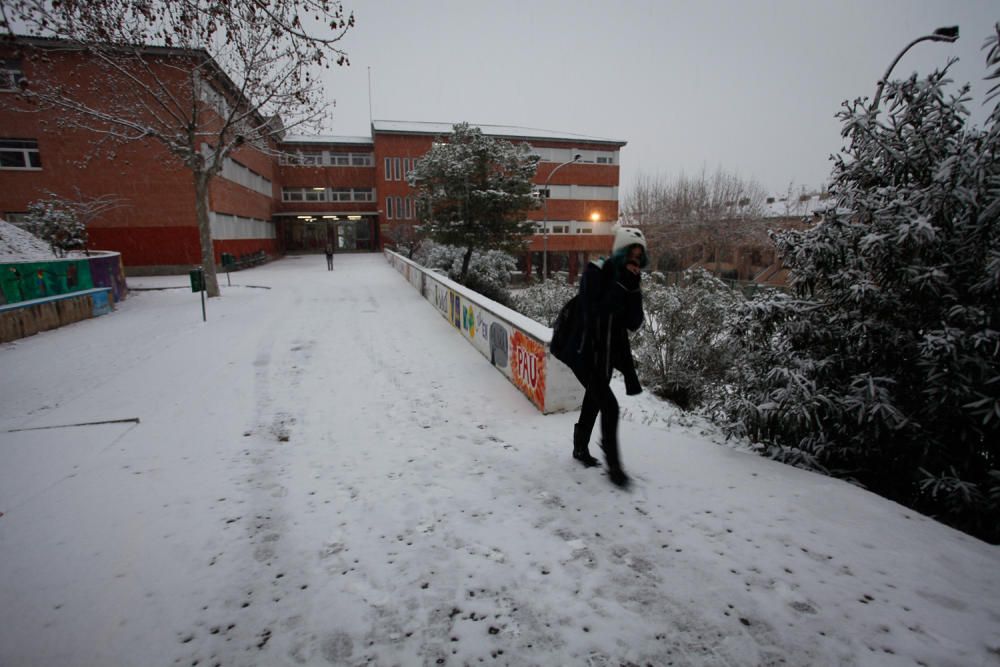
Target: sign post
{"points": [[198, 285], [227, 261]]}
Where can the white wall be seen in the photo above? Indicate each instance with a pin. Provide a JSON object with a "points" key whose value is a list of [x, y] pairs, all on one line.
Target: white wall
{"points": [[516, 345]]}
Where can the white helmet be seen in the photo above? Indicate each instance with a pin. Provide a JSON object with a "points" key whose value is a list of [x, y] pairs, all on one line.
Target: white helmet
{"points": [[626, 236]]}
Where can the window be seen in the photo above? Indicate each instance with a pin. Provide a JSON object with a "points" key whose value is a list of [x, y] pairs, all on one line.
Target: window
{"points": [[248, 178], [19, 154], [388, 168], [560, 229], [303, 194], [351, 159], [388, 206], [399, 207], [395, 168], [409, 208], [10, 74], [602, 159], [311, 158], [585, 230]]}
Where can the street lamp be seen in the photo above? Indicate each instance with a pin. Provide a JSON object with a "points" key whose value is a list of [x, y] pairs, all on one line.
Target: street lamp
{"points": [[545, 216], [949, 34]]}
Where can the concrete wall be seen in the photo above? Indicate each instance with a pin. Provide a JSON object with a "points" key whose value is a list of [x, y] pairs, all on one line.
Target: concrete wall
{"points": [[27, 318], [516, 345], [25, 281]]}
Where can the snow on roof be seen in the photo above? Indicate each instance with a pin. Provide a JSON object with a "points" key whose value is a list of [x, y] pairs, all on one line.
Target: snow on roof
{"points": [[795, 206], [324, 139], [18, 245], [442, 129]]}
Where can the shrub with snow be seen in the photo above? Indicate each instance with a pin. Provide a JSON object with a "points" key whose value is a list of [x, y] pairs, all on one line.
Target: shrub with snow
{"points": [[56, 223], [683, 349], [884, 367], [543, 301], [488, 272]]}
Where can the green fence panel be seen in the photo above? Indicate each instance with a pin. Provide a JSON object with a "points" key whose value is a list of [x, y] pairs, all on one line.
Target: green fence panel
{"points": [[23, 281]]}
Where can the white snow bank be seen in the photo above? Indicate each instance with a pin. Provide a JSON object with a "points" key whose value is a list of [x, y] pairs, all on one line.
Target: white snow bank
{"points": [[18, 245]]}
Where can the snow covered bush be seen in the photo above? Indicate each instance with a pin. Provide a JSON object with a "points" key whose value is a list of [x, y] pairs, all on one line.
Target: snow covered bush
{"points": [[488, 272], [543, 301], [683, 349], [884, 367], [58, 225]]}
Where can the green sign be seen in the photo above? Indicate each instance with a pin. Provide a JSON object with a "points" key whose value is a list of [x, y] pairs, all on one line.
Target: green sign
{"points": [[197, 280]]}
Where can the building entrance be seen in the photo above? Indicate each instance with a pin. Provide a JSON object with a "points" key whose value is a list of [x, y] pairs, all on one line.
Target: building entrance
{"points": [[302, 235]]}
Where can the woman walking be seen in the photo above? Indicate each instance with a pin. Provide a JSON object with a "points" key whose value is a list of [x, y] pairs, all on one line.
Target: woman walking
{"points": [[609, 305]]}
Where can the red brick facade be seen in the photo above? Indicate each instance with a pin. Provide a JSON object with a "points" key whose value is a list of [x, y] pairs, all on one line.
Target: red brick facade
{"points": [[312, 200]]}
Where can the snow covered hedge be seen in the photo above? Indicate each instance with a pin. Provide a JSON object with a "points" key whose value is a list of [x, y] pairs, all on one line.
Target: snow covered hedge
{"points": [[543, 301], [684, 349], [488, 272], [884, 367]]}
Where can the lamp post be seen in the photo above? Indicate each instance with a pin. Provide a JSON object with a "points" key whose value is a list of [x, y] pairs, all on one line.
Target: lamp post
{"points": [[949, 34], [545, 218]]}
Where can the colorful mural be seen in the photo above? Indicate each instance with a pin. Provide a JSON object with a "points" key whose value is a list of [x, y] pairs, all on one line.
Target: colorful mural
{"points": [[498, 344], [25, 281], [516, 350], [528, 367], [106, 271]]}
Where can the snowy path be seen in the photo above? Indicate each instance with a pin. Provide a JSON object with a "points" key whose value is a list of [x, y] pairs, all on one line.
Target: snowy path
{"points": [[326, 474]]}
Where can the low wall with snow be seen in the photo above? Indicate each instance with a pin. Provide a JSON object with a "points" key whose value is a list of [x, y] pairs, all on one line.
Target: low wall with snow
{"points": [[516, 345]]}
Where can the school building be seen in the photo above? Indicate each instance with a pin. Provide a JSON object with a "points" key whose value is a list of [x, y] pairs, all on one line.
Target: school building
{"points": [[299, 194]]}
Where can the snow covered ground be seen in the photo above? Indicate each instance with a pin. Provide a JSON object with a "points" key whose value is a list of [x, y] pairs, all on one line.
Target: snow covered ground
{"points": [[325, 473]]}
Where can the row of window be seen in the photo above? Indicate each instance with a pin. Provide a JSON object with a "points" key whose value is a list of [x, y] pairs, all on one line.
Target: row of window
{"points": [[319, 158], [589, 192], [19, 154], [564, 229], [400, 208], [398, 169], [227, 226], [567, 154], [327, 194], [248, 178]]}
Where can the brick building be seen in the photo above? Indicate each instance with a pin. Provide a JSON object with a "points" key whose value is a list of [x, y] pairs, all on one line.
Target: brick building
{"points": [[293, 196]]}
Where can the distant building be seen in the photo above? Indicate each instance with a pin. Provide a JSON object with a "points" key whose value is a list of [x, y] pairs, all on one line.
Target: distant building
{"points": [[301, 193]]}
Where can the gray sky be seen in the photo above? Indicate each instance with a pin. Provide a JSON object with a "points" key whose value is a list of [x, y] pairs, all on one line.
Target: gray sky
{"points": [[751, 86]]}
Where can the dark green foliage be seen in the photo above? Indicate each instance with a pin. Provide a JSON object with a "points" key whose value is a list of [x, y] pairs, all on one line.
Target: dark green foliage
{"points": [[474, 191], [884, 367]]}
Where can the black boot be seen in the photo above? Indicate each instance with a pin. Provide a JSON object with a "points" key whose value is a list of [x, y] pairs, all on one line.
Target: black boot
{"points": [[615, 471], [581, 452]]}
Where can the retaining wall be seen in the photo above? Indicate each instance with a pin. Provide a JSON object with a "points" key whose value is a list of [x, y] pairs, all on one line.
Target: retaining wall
{"points": [[19, 320], [515, 345], [26, 281]]}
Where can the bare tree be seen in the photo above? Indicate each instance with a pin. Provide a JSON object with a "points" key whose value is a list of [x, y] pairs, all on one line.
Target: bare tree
{"points": [[709, 211], [203, 78]]}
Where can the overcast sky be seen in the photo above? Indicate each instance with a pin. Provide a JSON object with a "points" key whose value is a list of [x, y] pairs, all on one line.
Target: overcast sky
{"points": [[751, 86]]}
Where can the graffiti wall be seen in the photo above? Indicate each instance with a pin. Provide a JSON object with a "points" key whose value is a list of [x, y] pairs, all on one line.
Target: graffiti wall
{"points": [[25, 281], [514, 344]]}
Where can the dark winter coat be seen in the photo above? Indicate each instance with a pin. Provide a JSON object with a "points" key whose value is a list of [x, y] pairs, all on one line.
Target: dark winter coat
{"points": [[609, 306]]}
